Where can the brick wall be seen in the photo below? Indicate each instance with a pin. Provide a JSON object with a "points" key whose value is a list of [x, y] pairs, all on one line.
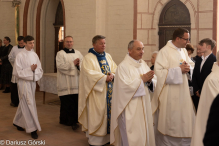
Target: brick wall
{"points": [[148, 14]]}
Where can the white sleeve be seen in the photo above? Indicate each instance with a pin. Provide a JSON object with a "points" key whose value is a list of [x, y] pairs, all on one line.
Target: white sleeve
{"points": [[100, 85], [20, 72], [67, 68], [11, 57], [26, 73], [140, 91], [174, 76]]}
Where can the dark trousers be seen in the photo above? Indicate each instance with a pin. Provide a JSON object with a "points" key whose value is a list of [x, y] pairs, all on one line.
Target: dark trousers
{"points": [[195, 100], [69, 109], [14, 94]]}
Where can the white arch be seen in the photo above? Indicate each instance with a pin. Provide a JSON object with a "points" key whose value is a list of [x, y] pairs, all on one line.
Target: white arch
{"points": [[31, 20], [47, 34]]}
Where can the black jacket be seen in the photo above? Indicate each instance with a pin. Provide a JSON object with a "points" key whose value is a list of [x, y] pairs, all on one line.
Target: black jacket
{"points": [[198, 77]]}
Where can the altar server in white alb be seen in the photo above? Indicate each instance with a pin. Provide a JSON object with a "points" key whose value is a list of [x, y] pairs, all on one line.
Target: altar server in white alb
{"points": [[209, 91], [131, 117], [68, 63], [27, 69], [95, 92], [172, 101], [11, 57]]}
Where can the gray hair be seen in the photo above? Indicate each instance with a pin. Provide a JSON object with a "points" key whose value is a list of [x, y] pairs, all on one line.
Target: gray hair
{"points": [[155, 52], [217, 55], [131, 44], [97, 37]]}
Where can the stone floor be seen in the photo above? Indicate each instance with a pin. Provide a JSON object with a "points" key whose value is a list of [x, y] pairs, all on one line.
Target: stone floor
{"points": [[53, 133]]}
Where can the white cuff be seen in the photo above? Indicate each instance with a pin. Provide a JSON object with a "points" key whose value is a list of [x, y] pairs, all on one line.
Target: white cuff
{"points": [[100, 85], [140, 91], [174, 76]]}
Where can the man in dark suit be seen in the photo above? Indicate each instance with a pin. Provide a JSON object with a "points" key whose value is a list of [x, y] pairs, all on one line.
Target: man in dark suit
{"points": [[203, 67]]}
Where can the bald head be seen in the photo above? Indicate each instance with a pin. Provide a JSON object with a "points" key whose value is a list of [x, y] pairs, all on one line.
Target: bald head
{"points": [[132, 43], [136, 49]]}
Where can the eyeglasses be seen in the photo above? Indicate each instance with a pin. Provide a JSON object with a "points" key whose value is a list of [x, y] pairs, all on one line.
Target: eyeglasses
{"points": [[185, 39], [69, 41]]}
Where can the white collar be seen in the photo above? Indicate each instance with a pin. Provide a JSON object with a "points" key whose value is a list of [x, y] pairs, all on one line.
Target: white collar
{"points": [[205, 58], [179, 49], [137, 61], [28, 50]]}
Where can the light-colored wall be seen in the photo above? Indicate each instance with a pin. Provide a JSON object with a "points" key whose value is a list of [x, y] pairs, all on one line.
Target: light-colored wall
{"points": [[21, 16], [80, 18], [113, 19], [119, 27], [7, 25], [31, 20]]}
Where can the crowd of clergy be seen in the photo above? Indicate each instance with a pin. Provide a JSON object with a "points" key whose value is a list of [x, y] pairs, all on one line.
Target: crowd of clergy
{"points": [[132, 104]]}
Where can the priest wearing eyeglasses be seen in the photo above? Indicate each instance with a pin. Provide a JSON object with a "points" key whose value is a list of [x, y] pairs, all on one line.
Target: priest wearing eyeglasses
{"points": [[172, 105]]}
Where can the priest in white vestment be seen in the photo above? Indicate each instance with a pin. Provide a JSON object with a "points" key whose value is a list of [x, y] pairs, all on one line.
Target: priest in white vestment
{"points": [[172, 105], [68, 63], [209, 91], [131, 117], [11, 57], [95, 92], [28, 70]]}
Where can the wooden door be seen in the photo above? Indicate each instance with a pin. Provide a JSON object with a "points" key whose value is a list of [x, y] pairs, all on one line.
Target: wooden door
{"points": [[174, 15]]}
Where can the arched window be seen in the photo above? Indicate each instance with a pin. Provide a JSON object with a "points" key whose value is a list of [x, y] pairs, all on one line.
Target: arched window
{"points": [[175, 14]]}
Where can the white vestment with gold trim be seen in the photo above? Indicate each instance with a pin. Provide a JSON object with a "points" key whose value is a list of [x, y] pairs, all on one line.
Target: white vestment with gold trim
{"points": [[92, 106], [131, 117], [172, 101], [210, 90]]}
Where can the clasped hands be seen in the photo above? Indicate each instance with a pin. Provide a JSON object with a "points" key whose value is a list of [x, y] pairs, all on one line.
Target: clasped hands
{"points": [[147, 77], [77, 62], [33, 67], [110, 77], [185, 68]]}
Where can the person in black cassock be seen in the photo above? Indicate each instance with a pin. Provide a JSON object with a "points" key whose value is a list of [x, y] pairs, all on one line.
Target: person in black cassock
{"points": [[68, 69], [211, 137], [11, 57], [6, 70]]}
